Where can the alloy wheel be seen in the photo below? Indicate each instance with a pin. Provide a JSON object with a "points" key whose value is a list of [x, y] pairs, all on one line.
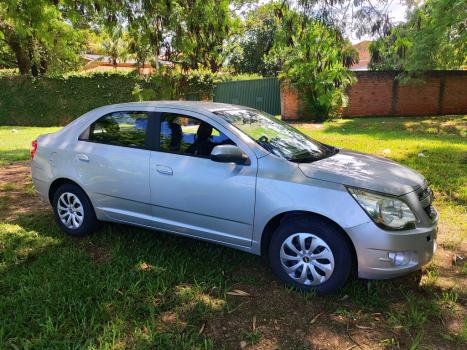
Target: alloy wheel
{"points": [[70, 210]]}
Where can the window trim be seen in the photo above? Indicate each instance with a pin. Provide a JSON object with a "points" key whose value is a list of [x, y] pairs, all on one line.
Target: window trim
{"points": [[148, 145]]}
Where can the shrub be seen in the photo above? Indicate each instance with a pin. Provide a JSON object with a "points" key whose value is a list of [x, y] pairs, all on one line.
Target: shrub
{"points": [[56, 100], [315, 62]]}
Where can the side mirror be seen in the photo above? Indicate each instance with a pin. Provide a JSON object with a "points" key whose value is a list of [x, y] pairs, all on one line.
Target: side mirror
{"points": [[229, 154]]}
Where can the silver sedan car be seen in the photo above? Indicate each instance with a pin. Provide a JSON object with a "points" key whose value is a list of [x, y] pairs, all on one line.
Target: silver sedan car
{"points": [[239, 177]]}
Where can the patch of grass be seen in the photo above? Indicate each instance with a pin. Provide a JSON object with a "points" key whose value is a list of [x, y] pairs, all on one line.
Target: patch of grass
{"points": [[56, 294], [414, 315], [251, 337], [15, 141], [129, 288], [434, 146], [390, 343]]}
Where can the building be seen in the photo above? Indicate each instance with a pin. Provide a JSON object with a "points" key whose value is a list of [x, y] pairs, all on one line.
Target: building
{"points": [[363, 54], [99, 63]]}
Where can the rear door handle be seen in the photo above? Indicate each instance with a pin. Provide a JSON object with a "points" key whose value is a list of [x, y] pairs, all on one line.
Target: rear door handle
{"points": [[165, 170], [82, 157]]}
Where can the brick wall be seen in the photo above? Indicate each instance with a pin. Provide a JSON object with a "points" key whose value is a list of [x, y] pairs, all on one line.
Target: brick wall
{"points": [[290, 103], [380, 94]]}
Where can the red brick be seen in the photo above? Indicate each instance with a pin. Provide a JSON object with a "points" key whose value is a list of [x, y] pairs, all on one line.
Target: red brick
{"points": [[377, 94]]}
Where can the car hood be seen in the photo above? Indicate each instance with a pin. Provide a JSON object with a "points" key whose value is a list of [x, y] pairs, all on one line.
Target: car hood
{"points": [[365, 171]]}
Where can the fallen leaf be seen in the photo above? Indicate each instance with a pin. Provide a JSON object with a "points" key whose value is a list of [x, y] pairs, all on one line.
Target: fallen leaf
{"points": [[202, 328], [316, 317], [363, 327], [238, 293]]}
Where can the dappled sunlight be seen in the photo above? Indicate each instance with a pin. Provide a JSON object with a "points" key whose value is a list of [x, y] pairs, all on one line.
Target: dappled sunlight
{"points": [[18, 244], [126, 287], [143, 266], [438, 126], [189, 294], [433, 155], [170, 321]]}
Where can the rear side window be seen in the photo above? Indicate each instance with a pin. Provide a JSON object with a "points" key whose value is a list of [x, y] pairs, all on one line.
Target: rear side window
{"points": [[121, 129]]}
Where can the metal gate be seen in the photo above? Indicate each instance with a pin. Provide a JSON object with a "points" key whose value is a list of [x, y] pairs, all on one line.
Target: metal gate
{"points": [[262, 94]]}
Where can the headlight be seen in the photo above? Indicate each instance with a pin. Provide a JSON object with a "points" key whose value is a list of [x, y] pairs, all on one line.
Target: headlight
{"points": [[387, 212]]}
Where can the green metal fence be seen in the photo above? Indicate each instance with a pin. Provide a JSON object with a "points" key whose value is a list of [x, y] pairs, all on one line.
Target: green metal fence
{"points": [[262, 94]]}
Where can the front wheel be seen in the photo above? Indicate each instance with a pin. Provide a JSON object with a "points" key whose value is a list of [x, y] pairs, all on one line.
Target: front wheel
{"points": [[310, 254]]}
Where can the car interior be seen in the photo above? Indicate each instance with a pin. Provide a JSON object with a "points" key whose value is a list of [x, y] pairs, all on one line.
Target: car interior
{"points": [[187, 135]]}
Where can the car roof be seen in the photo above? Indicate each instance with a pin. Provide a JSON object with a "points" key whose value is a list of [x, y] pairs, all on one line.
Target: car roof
{"points": [[195, 106]]}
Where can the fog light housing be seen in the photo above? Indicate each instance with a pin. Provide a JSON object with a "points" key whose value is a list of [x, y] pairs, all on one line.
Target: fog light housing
{"points": [[400, 258]]}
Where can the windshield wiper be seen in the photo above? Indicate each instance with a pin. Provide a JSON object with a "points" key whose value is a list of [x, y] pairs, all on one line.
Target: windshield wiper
{"points": [[309, 157]]}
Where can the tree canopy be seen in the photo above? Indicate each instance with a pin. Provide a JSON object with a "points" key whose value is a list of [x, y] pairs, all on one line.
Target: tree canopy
{"points": [[44, 36], [39, 36], [434, 37]]}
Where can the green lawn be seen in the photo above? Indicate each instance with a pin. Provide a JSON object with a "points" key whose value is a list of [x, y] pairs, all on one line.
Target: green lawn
{"points": [[129, 288], [15, 141]]}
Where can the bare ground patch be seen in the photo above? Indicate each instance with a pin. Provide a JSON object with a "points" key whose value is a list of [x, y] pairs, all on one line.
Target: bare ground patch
{"points": [[426, 309], [260, 313], [274, 317], [17, 194], [18, 198]]}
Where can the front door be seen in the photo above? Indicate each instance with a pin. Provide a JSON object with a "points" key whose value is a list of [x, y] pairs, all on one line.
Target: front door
{"points": [[190, 194]]}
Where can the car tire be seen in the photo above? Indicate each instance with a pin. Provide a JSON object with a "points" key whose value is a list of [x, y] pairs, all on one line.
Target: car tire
{"points": [[73, 211], [327, 257]]}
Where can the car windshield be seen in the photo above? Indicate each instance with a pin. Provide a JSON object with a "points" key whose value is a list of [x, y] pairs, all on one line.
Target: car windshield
{"points": [[276, 136]]}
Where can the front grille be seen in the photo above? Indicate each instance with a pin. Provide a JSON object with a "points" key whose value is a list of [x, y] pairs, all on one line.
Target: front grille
{"points": [[426, 198]]}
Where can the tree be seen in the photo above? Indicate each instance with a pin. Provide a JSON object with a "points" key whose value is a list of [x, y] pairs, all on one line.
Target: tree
{"points": [[200, 30], [389, 51], [257, 39], [315, 58], [39, 36], [115, 45], [7, 57], [435, 37], [361, 16]]}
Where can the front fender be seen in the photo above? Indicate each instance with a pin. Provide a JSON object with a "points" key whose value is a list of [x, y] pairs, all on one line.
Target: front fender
{"points": [[292, 191]]}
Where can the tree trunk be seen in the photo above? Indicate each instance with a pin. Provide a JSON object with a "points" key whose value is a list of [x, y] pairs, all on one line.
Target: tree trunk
{"points": [[34, 67], [21, 54], [22, 58], [44, 65]]}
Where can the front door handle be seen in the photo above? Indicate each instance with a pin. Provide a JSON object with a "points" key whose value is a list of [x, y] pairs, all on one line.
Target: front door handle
{"points": [[165, 170], [82, 157]]}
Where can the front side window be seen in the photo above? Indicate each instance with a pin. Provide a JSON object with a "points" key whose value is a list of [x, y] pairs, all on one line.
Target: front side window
{"points": [[188, 135], [276, 136], [121, 129]]}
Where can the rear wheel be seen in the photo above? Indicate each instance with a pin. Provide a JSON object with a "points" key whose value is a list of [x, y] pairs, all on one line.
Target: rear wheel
{"points": [[310, 254], [73, 211]]}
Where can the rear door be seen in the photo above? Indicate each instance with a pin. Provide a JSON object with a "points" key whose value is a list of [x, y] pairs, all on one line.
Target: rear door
{"points": [[190, 194], [112, 160]]}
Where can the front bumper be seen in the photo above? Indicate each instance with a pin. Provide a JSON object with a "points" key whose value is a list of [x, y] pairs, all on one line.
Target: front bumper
{"points": [[376, 249]]}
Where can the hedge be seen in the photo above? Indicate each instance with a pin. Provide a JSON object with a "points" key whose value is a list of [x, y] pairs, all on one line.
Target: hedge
{"points": [[50, 101]]}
